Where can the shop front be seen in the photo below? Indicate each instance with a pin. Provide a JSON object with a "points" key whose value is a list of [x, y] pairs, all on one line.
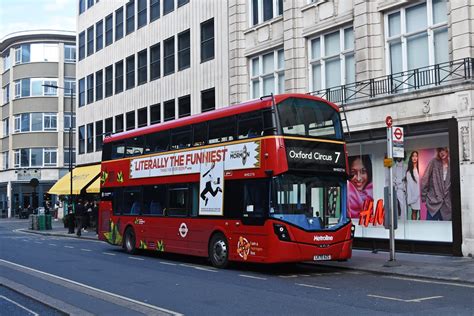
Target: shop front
{"points": [[426, 187]]}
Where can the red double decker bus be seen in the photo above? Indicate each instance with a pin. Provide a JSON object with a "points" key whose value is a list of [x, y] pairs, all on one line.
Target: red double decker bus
{"points": [[263, 181]]}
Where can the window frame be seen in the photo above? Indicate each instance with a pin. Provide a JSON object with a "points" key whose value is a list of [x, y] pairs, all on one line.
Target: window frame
{"points": [[205, 41], [277, 73]]}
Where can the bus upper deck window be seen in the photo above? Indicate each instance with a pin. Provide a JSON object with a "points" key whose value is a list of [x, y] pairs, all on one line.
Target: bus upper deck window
{"points": [[118, 151]]}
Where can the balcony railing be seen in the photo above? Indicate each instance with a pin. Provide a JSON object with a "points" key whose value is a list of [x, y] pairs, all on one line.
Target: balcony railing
{"points": [[407, 81]]}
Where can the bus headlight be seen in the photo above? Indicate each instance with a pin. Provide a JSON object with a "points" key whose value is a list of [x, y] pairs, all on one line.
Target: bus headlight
{"points": [[281, 232]]}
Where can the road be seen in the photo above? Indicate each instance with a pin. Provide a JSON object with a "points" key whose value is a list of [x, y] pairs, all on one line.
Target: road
{"points": [[83, 277]]}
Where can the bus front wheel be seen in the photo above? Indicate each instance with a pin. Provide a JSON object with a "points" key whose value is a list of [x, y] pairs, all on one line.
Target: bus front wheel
{"points": [[219, 251], [129, 241]]}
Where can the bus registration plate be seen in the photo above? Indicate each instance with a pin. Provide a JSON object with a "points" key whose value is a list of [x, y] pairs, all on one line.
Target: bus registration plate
{"points": [[322, 257]]}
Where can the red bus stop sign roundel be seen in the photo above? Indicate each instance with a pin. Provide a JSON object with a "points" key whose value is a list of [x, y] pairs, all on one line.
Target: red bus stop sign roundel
{"points": [[388, 121]]}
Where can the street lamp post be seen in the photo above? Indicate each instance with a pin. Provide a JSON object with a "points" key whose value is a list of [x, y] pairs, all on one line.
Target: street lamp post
{"points": [[70, 90]]}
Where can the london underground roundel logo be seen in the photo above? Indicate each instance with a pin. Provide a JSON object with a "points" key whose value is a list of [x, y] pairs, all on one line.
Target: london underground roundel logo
{"points": [[183, 230]]}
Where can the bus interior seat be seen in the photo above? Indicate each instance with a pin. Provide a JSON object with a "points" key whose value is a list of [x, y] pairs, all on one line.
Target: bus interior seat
{"points": [[135, 208], [155, 208]]}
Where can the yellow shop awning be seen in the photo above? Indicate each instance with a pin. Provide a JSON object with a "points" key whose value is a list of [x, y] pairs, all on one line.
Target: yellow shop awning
{"points": [[94, 187], [82, 177]]}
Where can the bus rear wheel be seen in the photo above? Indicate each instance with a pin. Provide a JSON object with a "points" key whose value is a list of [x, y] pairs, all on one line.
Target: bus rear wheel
{"points": [[219, 251], [129, 241]]}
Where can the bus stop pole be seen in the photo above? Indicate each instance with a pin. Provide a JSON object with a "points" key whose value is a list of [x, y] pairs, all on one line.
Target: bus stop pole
{"points": [[391, 262]]}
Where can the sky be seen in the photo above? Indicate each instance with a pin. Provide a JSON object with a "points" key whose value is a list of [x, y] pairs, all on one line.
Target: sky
{"points": [[22, 15]]}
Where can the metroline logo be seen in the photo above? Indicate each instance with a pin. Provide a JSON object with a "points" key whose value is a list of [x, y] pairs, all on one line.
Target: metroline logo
{"points": [[323, 238]]}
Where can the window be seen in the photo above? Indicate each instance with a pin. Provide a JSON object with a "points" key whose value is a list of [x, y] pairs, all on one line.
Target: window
{"points": [[119, 123], [109, 78], [109, 126], [69, 87], [222, 130], [22, 54], [118, 24], [142, 67], [168, 56], [99, 35], [82, 45], [134, 146], [6, 94], [99, 135], [132, 202], [154, 10], [90, 137], [5, 160], [82, 6], [157, 142], [90, 88], [250, 125], [82, 139], [155, 114], [130, 120], [50, 121], [109, 30], [130, 11], [207, 40], [154, 200], [155, 64], [35, 87], [6, 62], [267, 74], [36, 122], [6, 127], [184, 106], [208, 100], [417, 36], [332, 59], [36, 158], [169, 110], [141, 14], [130, 77], [82, 100], [178, 199], [142, 117], [119, 77], [200, 134], [68, 120], [67, 158], [70, 53], [264, 10], [184, 50], [90, 41], [50, 156], [182, 2], [99, 82], [90, 3], [181, 137], [168, 6]]}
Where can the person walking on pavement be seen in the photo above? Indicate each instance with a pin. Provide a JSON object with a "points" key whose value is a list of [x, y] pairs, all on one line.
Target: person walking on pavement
{"points": [[70, 220], [79, 214]]}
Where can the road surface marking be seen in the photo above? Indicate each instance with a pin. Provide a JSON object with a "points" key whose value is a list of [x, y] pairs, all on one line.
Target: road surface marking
{"points": [[415, 300], [424, 299], [38, 242], [288, 276], [109, 254], [52, 244], [304, 275], [313, 286], [134, 258], [252, 277], [83, 249], [87, 289], [70, 247], [20, 306], [430, 282], [168, 263], [198, 267]]}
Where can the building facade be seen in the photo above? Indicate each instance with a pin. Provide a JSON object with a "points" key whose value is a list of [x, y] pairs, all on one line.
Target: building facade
{"points": [[35, 117], [143, 62]]}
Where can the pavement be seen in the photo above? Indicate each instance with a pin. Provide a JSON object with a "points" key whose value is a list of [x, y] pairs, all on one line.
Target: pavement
{"points": [[426, 266]]}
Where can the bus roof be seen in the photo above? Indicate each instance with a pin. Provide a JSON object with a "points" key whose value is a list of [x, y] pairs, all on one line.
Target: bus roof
{"points": [[248, 106]]}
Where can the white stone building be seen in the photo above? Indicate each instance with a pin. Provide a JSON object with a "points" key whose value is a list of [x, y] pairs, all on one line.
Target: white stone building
{"points": [[35, 119], [146, 61]]}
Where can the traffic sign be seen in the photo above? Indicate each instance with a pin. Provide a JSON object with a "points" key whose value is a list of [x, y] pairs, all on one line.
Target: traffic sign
{"points": [[398, 134], [388, 121]]}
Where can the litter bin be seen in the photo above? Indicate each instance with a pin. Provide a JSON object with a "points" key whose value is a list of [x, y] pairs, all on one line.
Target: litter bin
{"points": [[34, 222], [48, 222], [42, 222]]}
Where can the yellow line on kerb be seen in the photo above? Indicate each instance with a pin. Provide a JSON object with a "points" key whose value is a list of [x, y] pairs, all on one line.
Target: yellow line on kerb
{"points": [[318, 140]]}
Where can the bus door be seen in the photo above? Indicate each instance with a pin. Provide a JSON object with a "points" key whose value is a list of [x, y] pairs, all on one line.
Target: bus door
{"points": [[247, 200], [154, 208], [176, 231]]}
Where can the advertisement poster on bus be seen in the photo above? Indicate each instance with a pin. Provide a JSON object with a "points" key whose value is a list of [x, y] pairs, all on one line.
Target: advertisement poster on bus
{"points": [[233, 157], [211, 188]]}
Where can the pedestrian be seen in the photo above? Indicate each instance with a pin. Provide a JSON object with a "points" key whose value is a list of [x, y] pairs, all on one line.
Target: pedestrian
{"points": [[56, 210], [95, 212], [79, 217]]}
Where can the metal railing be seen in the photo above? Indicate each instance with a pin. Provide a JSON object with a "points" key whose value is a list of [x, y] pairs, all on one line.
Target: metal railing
{"points": [[406, 81]]}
